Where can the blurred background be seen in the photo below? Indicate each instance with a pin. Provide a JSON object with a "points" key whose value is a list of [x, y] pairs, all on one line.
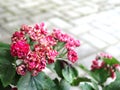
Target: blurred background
{"points": [[96, 23]]}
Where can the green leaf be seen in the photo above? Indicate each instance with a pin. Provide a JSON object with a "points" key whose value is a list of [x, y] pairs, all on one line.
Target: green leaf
{"points": [[5, 55], [86, 86], [100, 75], [80, 79], [58, 68], [64, 85], [111, 61], [95, 85], [39, 82], [114, 85], [4, 46], [7, 70], [69, 73], [3, 88]]}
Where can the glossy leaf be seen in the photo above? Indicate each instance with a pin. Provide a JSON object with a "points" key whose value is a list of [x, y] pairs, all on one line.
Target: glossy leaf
{"points": [[69, 73], [114, 85], [80, 79], [111, 61], [39, 82], [58, 68], [7, 70], [4, 46], [86, 86], [64, 85]]}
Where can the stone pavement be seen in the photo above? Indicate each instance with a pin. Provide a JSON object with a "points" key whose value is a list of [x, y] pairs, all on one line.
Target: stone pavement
{"points": [[95, 22]]}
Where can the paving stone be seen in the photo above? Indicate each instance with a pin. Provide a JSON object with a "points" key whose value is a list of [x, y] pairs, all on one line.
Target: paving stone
{"points": [[4, 15], [87, 61], [94, 41], [59, 23], [85, 50], [114, 1], [104, 36], [83, 20], [86, 10], [82, 28], [4, 36], [113, 50], [59, 2], [72, 14], [28, 4]]}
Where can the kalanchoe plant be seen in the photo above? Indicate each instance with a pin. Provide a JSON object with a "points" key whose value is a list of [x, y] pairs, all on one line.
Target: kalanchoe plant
{"points": [[32, 50]]}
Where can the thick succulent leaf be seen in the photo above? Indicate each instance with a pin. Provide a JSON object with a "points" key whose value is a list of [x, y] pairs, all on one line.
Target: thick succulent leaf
{"points": [[7, 70], [4, 46], [114, 85], [58, 68], [80, 79], [64, 85], [86, 86], [111, 61], [69, 73], [4, 88], [39, 82]]}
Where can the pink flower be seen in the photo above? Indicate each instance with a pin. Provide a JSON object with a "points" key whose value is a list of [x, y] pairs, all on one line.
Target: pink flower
{"points": [[97, 64], [50, 61], [51, 54], [105, 55], [72, 56], [41, 65], [51, 41], [77, 43], [34, 63], [35, 73], [72, 43], [18, 35], [20, 49], [57, 34], [21, 70], [41, 27], [112, 72], [25, 28]]}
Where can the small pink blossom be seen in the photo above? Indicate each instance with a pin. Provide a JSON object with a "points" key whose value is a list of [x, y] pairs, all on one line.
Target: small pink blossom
{"points": [[112, 72], [17, 36], [105, 55], [51, 41], [72, 55], [97, 64], [20, 49], [51, 55], [21, 70], [25, 28], [57, 34], [41, 27], [34, 62]]}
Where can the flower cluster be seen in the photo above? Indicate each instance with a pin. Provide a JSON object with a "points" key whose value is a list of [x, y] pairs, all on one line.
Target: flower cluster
{"points": [[35, 47], [99, 63]]}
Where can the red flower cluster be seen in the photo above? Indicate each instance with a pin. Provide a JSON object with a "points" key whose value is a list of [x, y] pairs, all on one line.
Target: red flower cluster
{"points": [[35, 47]]}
